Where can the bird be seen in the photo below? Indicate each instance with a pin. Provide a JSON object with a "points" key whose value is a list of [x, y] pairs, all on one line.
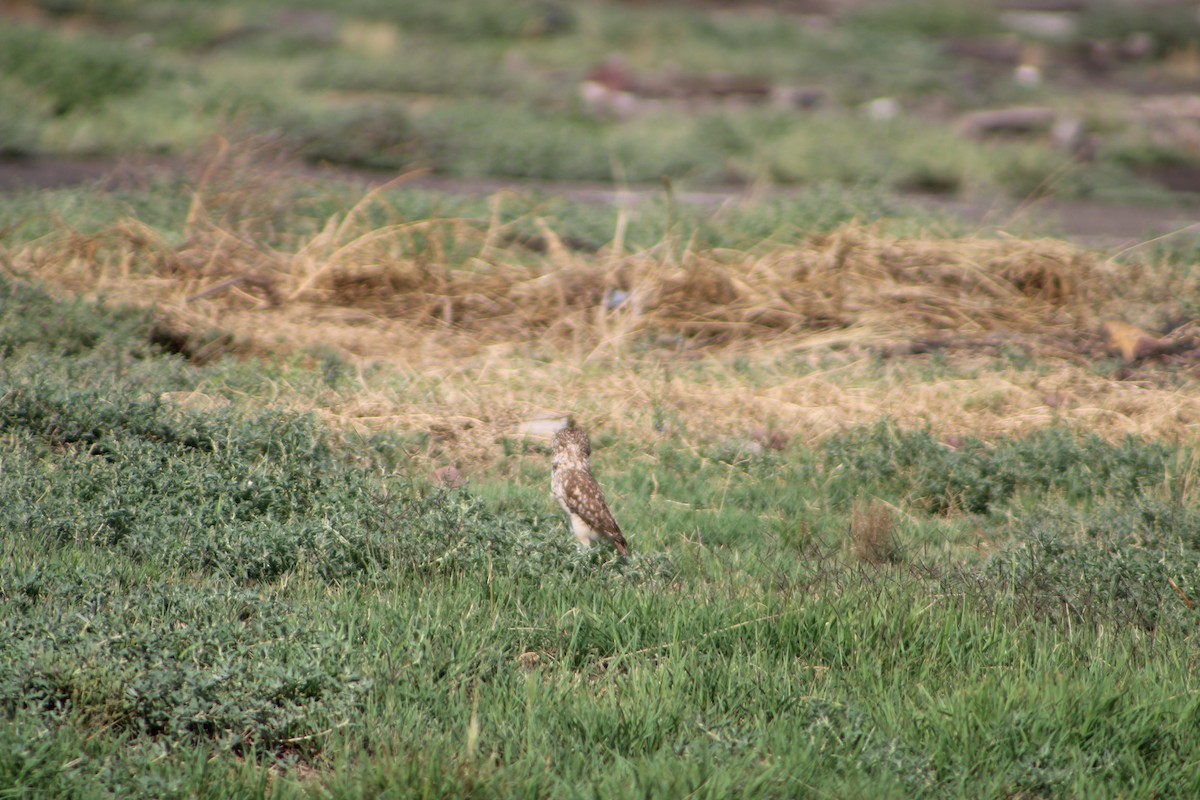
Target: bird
{"points": [[576, 490]]}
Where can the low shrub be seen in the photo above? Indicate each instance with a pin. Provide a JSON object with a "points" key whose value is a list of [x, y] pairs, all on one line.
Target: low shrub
{"points": [[979, 478], [77, 72]]}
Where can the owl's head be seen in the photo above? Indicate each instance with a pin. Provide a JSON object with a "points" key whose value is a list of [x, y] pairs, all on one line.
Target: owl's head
{"points": [[571, 445]]}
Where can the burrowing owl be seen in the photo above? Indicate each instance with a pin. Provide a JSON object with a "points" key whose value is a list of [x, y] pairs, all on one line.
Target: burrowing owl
{"points": [[578, 493]]}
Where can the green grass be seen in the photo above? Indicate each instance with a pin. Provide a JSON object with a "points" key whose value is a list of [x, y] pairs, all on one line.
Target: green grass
{"points": [[1170, 28], [931, 18], [238, 603], [281, 210], [72, 73], [490, 89]]}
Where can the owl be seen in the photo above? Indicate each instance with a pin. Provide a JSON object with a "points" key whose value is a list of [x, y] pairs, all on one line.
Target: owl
{"points": [[578, 493]]}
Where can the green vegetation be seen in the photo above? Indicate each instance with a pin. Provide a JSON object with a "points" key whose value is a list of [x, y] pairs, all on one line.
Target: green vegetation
{"points": [[891, 534], [978, 479], [237, 603], [1170, 27], [283, 210], [487, 89], [71, 73], [932, 17]]}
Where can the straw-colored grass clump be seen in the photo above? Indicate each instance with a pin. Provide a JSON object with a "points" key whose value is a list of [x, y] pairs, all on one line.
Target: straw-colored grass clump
{"points": [[854, 285], [836, 327]]}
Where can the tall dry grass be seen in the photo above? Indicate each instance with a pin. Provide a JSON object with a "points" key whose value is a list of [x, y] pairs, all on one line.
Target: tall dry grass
{"points": [[840, 329]]}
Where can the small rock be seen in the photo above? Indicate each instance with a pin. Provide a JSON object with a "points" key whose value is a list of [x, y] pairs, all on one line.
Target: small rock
{"points": [[882, 109], [1069, 133], [600, 100], [1020, 119], [1027, 75]]}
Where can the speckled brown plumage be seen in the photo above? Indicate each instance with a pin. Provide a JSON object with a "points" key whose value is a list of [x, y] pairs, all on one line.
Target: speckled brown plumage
{"points": [[577, 492]]}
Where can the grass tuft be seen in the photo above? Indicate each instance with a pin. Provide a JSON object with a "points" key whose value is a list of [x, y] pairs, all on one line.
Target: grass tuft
{"points": [[872, 533]]}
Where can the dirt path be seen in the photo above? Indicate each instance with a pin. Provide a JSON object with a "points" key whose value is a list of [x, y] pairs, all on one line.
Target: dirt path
{"points": [[1089, 223]]}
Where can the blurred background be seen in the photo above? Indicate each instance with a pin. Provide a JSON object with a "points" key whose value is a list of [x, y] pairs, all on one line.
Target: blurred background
{"points": [[1071, 99]]}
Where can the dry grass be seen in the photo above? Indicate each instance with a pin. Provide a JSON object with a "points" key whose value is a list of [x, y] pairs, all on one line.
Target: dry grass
{"points": [[838, 330], [851, 287], [872, 532]]}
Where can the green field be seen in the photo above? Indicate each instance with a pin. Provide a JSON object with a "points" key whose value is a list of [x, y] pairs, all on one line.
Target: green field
{"points": [[227, 573], [237, 604], [906, 517], [484, 88]]}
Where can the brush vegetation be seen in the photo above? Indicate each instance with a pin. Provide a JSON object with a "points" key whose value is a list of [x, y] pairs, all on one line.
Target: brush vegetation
{"points": [[899, 524]]}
